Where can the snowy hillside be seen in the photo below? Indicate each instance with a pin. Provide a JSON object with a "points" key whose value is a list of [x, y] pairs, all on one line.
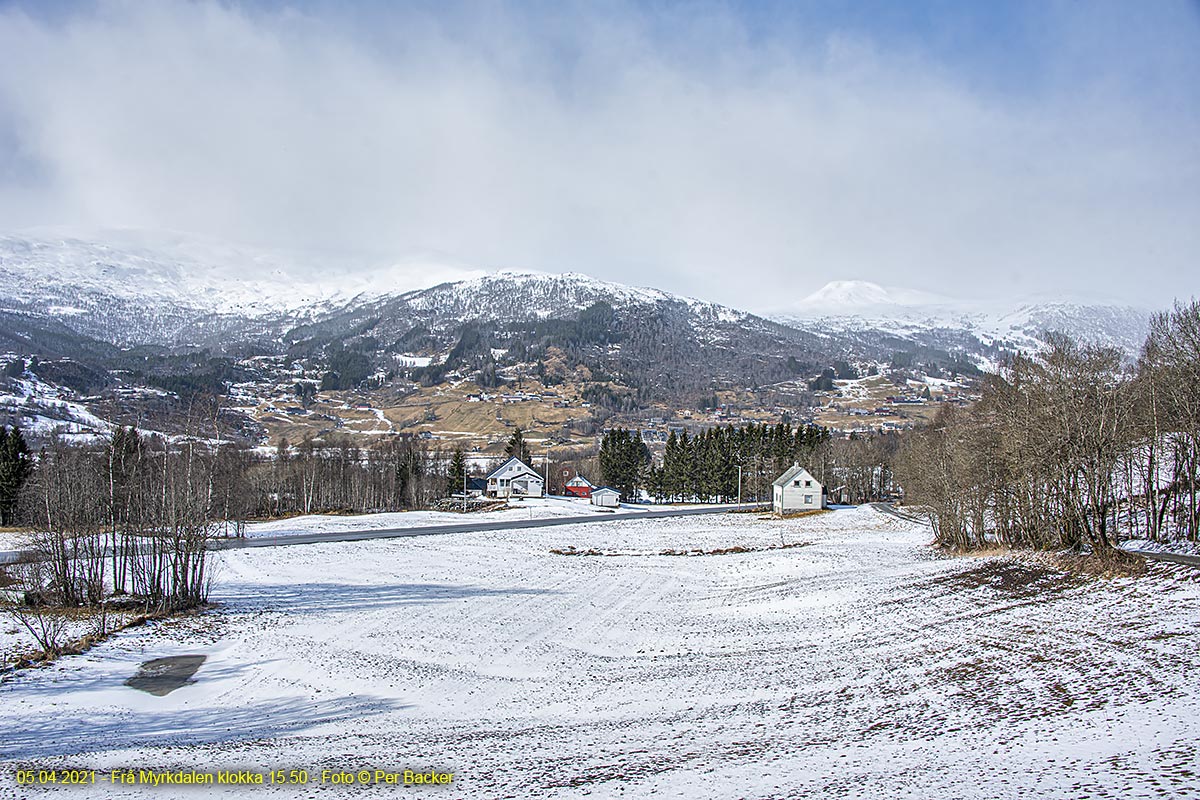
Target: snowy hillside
{"points": [[131, 288], [138, 287], [41, 410], [865, 309], [510, 295], [844, 297]]}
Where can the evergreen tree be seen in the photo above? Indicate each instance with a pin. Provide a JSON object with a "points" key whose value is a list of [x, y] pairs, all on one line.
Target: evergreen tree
{"points": [[623, 458], [517, 448], [15, 466], [673, 475], [458, 472]]}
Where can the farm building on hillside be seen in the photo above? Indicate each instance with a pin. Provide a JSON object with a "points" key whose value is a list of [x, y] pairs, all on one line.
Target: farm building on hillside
{"points": [[797, 490], [606, 497], [515, 478], [579, 486]]}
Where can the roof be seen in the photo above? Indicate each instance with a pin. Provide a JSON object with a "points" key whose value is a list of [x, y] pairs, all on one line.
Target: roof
{"points": [[578, 480], [476, 483], [602, 489], [789, 473], [528, 469]]}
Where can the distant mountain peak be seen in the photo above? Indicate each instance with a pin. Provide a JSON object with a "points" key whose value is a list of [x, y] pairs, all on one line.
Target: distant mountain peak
{"points": [[851, 296]]}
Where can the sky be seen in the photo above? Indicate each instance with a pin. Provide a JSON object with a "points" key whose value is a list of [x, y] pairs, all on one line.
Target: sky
{"points": [[744, 153]]}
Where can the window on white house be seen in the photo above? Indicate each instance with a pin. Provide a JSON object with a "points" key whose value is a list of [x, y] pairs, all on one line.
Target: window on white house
{"points": [[796, 483], [808, 498], [807, 484]]}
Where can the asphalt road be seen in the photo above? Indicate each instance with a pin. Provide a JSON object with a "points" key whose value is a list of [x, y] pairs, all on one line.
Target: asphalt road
{"points": [[514, 523], [1174, 558], [464, 527]]}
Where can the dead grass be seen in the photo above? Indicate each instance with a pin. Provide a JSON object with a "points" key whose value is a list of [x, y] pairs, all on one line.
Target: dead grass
{"points": [[41, 658], [798, 514], [727, 551], [1110, 564]]}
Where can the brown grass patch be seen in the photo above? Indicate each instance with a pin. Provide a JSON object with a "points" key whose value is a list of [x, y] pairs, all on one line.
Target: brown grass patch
{"points": [[1109, 564], [726, 551], [40, 658], [798, 514]]}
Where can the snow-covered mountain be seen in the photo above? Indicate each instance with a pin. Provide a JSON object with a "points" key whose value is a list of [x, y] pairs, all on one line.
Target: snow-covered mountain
{"points": [[138, 287], [510, 296], [133, 287], [861, 308], [652, 339], [855, 297]]}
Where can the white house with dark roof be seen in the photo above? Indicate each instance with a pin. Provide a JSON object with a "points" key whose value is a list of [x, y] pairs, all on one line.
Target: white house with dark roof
{"points": [[515, 478], [797, 490]]}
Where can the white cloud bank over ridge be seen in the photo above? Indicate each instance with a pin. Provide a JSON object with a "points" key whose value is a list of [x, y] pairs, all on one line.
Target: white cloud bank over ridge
{"points": [[717, 164]]}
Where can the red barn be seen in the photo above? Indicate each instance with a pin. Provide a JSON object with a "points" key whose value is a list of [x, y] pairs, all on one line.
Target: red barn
{"points": [[579, 486]]}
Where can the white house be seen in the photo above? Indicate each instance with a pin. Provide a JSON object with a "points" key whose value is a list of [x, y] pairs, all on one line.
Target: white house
{"points": [[604, 496], [515, 478], [797, 490]]}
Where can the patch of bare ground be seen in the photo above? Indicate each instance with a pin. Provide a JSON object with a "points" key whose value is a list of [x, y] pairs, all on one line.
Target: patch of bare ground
{"points": [[1034, 565], [1014, 577], [726, 551]]}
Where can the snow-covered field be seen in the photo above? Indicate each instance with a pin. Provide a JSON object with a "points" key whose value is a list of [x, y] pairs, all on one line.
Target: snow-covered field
{"points": [[520, 509], [525, 508], [861, 665]]}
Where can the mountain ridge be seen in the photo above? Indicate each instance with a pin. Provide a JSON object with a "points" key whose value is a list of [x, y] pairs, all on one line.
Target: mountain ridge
{"points": [[182, 293]]}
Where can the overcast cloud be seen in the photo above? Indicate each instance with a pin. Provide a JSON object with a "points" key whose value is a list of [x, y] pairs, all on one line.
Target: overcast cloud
{"points": [[715, 152]]}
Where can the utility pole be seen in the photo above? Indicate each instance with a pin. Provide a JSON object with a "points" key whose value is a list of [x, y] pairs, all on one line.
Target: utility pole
{"points": [[464, 487], [739, 469]]}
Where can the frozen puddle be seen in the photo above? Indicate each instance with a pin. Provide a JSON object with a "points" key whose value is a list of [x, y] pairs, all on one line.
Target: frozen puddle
{"points": [[161, 676]]}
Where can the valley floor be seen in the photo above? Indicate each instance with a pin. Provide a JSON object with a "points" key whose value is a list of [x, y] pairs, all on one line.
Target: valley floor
{"points": [[859, 665]]}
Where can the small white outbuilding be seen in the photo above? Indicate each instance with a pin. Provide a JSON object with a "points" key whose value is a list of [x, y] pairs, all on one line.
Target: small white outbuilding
{"points": [[604, 496], [797, 490]]}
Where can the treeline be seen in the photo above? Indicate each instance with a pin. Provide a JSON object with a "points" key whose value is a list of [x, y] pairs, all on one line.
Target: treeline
{"points": [[130, 517], [133, 515], [336, 475], [1069, 449], [705, 467]]}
